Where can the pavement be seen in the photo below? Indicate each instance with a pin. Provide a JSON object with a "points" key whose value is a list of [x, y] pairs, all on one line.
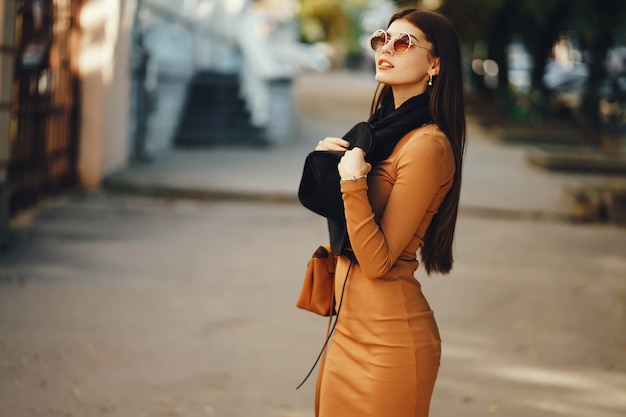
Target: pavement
{"points": [[144, 304]]}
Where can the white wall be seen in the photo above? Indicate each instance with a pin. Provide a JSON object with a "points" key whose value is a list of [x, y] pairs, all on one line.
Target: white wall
{"points": [[104, 71]]}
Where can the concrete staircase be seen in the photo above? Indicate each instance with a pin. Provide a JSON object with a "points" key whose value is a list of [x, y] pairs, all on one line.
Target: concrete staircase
{"points": [[215, 115]]}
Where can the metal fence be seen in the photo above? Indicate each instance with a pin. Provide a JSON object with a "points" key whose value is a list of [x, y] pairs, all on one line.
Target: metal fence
{"points": [[44, 140]]}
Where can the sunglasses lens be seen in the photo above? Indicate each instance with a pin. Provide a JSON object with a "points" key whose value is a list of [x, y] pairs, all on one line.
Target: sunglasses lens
{"points": [[402, 43], [378, 40]]}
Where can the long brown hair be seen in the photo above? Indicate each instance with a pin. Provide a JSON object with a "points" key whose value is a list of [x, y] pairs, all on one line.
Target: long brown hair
{"points": [[447, 106]]}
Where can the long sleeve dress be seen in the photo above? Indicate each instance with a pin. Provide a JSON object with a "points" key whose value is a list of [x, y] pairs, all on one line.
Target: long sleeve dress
{"points": [[384, 355]]}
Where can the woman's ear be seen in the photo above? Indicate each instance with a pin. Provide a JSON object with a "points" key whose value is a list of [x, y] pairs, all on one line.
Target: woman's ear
{"points": [[434, 67]]}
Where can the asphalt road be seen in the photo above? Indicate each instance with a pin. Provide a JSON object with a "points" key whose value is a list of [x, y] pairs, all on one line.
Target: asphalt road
{"points": [[131, 307]]}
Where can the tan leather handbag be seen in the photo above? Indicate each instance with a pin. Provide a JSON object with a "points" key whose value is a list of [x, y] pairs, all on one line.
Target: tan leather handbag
{"points": [[318, 290], [318, 293]]}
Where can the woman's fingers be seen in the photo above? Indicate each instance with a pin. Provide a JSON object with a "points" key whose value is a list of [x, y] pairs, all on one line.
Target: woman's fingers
{"points": [[332, 144], [353, 164]]}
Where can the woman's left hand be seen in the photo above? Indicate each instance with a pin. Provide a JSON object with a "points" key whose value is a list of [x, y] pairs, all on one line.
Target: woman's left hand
{"points": [[353, 164]]}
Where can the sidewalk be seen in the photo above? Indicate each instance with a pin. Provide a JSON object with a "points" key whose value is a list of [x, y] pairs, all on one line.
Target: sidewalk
{"points": [[498, 180]]}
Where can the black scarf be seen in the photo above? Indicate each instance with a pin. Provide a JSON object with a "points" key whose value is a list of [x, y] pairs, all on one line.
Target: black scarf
{"points": [[319, 187], [389, 125]]}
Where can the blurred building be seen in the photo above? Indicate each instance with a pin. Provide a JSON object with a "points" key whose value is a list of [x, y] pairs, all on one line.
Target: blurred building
{"points": [[64, 97], [86, 86]]}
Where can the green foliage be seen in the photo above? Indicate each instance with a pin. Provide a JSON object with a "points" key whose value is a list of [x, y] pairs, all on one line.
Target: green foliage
{"points": [[406, 3], [334, 22], [596, 25], [471, 17], [327, 20], [325, 16]]}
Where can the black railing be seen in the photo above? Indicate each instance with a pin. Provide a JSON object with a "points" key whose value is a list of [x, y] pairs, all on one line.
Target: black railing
{"points": [[44, 142]]}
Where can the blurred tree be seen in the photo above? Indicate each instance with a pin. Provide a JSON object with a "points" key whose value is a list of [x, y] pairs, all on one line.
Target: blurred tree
{"points": [[485, 28], [599, 22], [471, 17], [322, 20], [540, 23], [406, 3], [546, 20], [499, 35], [334, 22]]}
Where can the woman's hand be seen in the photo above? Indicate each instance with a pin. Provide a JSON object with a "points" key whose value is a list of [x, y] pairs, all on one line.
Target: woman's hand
{"points": [[353, 164], [332, 144]]}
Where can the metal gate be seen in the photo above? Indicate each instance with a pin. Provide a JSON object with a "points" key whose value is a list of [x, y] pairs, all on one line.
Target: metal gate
{"points": [[44, 142]]}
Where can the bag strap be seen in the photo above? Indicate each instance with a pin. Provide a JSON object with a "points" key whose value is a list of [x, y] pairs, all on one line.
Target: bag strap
{"points": [[330, 329]]}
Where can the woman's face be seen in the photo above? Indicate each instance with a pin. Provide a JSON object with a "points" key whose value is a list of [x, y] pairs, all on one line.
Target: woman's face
{"points": [[407, 73]]}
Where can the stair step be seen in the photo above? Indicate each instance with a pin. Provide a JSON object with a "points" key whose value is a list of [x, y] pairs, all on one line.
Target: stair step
{"points": [[204, 139], [223, 93], [230, 118], [233, 131], [223, 107], [225, 129], [213, 78], [215, 114]]}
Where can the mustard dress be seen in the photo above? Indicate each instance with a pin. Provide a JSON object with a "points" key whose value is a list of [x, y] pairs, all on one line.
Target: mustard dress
{"points": [[384, 355]]}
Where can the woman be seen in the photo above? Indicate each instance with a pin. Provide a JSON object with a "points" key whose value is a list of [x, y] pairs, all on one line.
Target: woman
{"points": [[385, 351]]}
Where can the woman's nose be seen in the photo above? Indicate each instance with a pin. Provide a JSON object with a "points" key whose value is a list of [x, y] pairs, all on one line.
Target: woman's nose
{"points": [[388, 47]]}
